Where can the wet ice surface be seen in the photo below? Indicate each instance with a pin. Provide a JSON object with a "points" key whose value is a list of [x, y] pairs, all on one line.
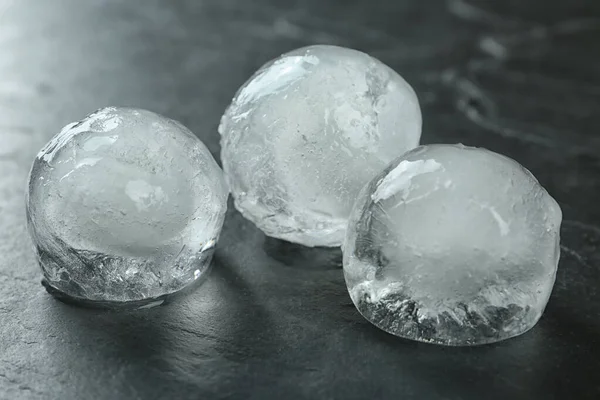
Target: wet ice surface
{"points": [[124, 206], [453, 245], [306, 132]]}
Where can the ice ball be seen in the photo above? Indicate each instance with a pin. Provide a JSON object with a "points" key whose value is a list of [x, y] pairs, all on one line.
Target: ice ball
{"points": [[452, 245], [124, 206], [305, 133]]}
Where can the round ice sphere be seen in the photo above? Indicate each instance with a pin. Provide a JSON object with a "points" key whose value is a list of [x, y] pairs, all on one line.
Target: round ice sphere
{"points": [[452, 245], [124, 206], [307, 132]]}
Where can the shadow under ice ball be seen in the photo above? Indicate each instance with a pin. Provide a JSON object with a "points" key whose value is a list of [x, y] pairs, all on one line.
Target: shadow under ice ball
{"points": [[453, 245], [307, 132], [124, 206]]}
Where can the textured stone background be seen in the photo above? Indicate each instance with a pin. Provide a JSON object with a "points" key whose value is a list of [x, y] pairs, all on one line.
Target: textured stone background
{"points": [[518, 77]]}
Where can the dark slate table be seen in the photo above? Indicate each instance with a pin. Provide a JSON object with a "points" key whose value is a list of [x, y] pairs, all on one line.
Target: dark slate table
{"points": [[274, 319]]}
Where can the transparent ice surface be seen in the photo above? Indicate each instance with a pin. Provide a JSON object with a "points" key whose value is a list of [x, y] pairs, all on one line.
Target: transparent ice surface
{"points": [[307, 132], [452, 245], [124, 205]]}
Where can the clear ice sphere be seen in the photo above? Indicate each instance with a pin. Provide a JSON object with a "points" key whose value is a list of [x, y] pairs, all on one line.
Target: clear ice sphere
{"points": [[452, 245], [306, 132], [124, 206]]}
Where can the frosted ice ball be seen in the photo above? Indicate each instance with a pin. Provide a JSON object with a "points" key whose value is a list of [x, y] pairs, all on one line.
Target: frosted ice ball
{"points": [[124, 206], [305, 133], [452, 245]]}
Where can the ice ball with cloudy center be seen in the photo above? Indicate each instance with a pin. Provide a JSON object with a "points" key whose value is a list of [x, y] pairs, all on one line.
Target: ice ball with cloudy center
{"points": [[453, 245], [305, 133], [124, 206]]}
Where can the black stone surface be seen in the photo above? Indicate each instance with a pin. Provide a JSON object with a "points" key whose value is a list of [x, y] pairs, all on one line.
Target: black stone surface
{"points": [[273, 319]]}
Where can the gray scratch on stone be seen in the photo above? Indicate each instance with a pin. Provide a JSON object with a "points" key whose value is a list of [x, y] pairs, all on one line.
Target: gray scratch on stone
{"points": [[583, 225], [504, 45], [480, 109], [470, 12], [576, 255]]}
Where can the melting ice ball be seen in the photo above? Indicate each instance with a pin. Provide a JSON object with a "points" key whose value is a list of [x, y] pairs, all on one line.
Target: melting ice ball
{"points": [[124, 206], [307, 132], [452, 245]]}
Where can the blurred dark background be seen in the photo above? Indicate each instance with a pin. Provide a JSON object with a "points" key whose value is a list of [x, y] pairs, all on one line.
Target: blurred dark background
{"points": [[520, 77]]}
